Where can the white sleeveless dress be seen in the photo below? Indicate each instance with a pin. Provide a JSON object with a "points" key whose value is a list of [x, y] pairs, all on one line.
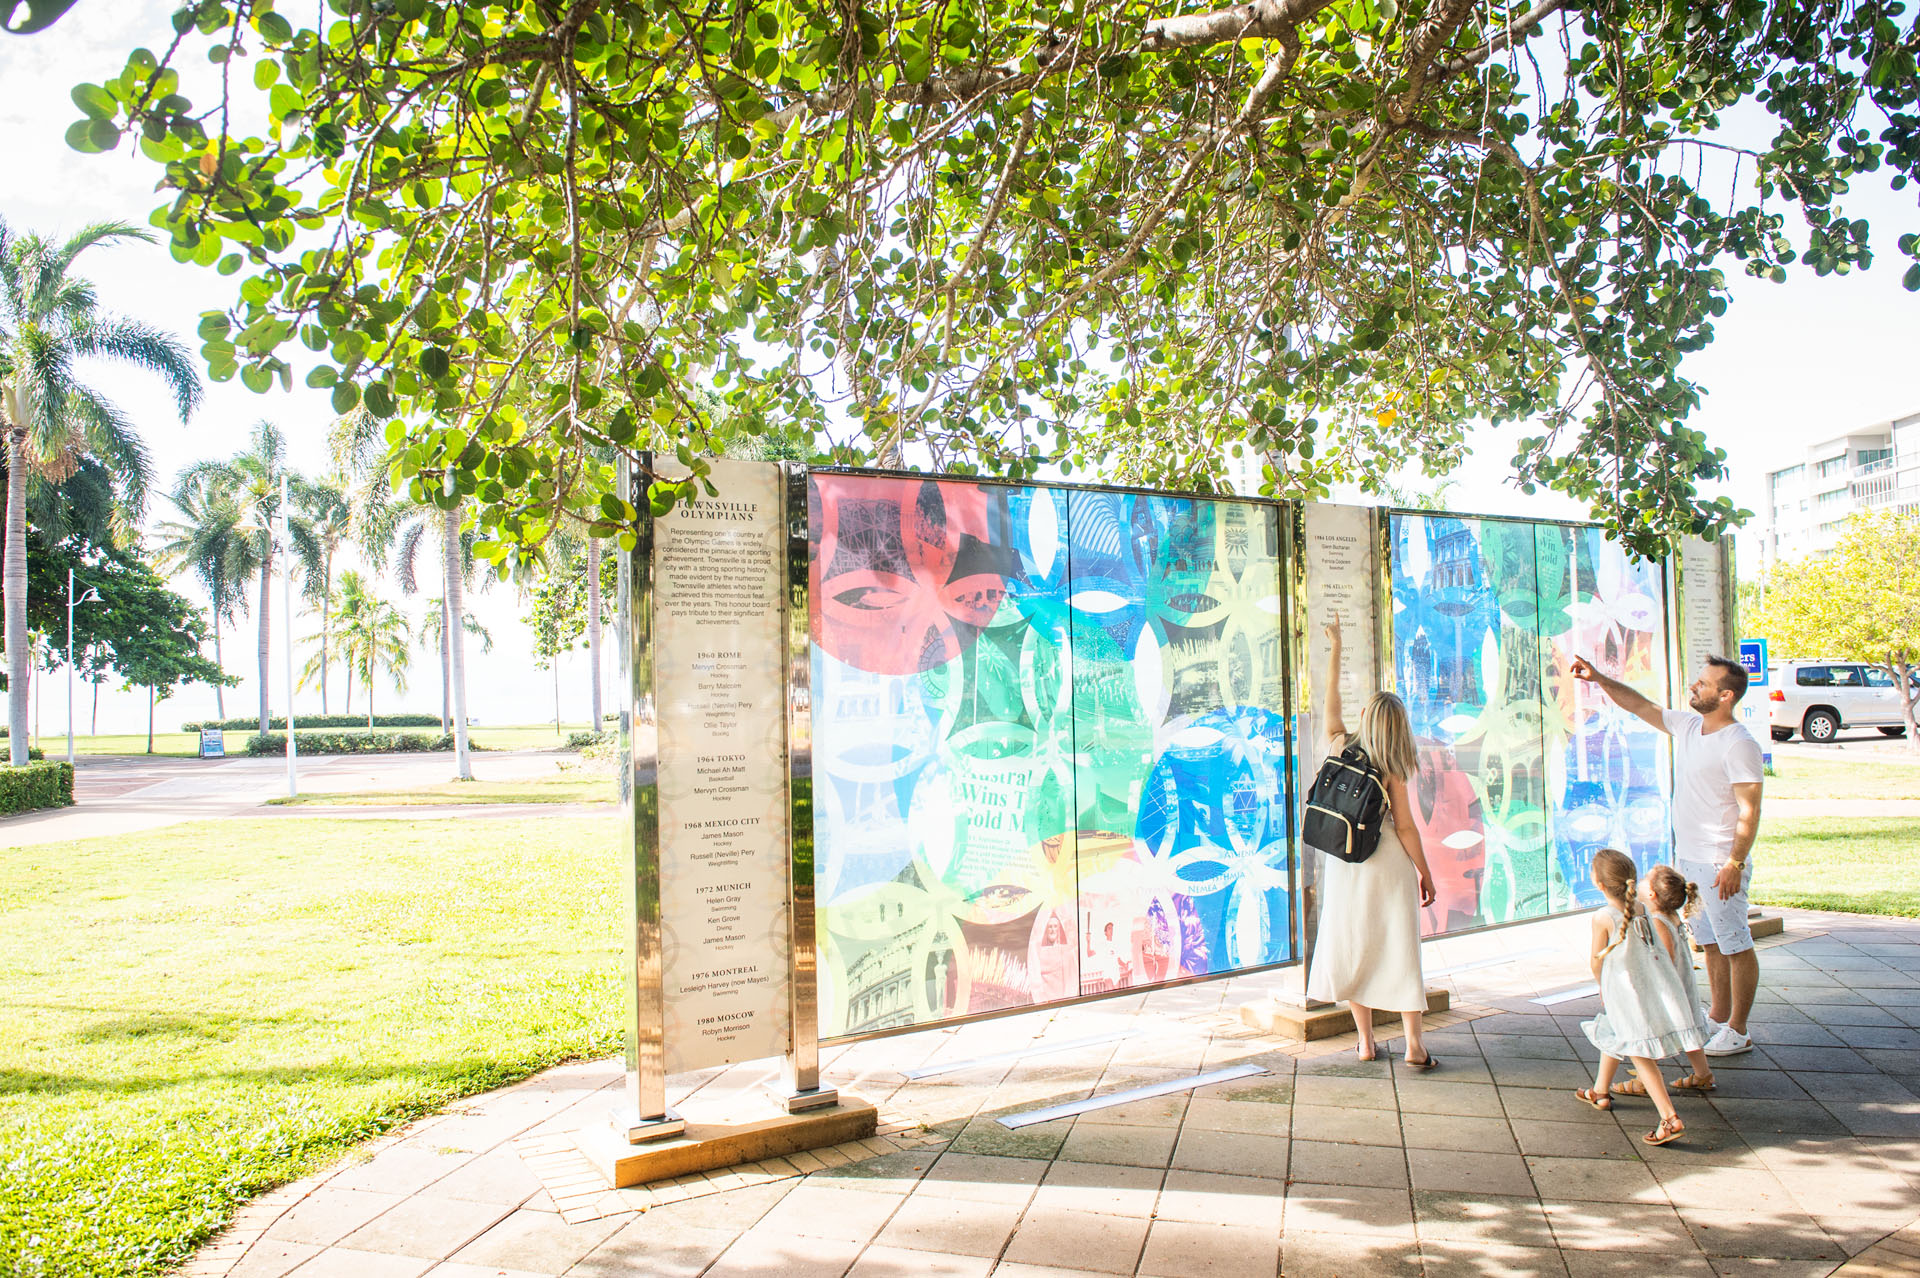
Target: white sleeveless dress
{"points": [[1683, 962], [1367, 946], [1648, 1011]]}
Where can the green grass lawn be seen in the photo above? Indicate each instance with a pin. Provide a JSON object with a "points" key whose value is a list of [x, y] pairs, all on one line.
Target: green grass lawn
{"points": [[1860, 865], [1800, 778], [193, 1016], [568, 787]]}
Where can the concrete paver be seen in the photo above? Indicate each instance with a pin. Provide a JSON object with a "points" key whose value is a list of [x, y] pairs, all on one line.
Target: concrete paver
{"points": [[1806, 1155]]}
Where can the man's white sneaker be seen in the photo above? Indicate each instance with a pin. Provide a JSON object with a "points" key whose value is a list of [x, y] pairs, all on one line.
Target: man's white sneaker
{"points": [[1728, 1041]]}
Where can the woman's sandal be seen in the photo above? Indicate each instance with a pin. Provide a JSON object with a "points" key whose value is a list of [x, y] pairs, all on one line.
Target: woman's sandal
{"points": [[1366, 1058], [1598, 1100], [1692, 1083], [1420, 1066], [1630, 1087], [1670, 1129]]}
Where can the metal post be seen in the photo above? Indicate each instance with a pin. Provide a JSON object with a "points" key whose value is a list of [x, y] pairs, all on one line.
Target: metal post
{"points": [[1300, 727], [286, 597], [645, 1116], [801, 1087], [92, 596], [69, 667], [1384, 677]]}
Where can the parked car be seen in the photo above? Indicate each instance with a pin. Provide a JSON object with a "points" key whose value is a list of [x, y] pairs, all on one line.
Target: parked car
{"points": [[1819, 698]]}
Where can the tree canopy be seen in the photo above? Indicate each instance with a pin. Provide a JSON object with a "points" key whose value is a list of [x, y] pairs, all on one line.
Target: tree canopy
{"points": [[986, 234], [1860, 603], [138, 628]]}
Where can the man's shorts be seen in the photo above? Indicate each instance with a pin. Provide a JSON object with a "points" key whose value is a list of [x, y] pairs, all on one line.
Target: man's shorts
{"points": [[1721, 923]]}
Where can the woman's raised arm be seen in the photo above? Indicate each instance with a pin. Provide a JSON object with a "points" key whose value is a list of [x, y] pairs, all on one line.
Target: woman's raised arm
{"points": [[1336, 729]]}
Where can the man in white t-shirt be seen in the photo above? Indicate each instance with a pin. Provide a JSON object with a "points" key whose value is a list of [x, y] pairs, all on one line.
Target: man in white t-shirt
{"points": [[1716, 813]]}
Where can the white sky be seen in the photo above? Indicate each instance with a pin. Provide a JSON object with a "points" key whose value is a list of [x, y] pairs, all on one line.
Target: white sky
{"points": [[1791, 363]]}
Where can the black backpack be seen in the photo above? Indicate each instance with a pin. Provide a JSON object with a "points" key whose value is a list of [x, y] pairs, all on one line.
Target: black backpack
{"points": [[1346, 807]]}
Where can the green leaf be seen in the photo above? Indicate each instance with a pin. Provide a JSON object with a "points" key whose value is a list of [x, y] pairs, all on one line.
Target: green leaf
{"points": [[378, 399], [346, 397], [95, 101], [434, 362]]}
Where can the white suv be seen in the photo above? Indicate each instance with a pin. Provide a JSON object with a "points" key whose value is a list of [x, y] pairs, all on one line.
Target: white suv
{"points": [[1818, 698]]}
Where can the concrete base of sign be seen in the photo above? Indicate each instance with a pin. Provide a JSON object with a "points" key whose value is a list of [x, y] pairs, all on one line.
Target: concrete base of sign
{"points": [[743, 1129], [1305, 1024], [1761, 924]]}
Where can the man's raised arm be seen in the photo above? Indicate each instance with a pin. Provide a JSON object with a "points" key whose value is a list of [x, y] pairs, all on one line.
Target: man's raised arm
{"points": [[1626, 698]]}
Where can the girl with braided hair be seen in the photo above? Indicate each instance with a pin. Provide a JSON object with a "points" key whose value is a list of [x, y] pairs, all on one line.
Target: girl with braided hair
{"points": [[1646, 1011]]}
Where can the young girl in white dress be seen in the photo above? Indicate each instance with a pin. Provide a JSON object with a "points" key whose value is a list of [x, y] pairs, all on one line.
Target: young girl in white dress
{"points": [[1647, 1013], [1367, 945], [1668, 897]]}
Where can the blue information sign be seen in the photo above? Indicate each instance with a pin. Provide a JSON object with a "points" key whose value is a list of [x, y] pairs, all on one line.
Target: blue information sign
{"points": [[1753, 655], [213, 743]]}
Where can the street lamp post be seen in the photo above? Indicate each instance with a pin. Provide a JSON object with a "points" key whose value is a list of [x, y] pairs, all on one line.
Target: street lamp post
{"points": [[286, 598], [92, 596]]}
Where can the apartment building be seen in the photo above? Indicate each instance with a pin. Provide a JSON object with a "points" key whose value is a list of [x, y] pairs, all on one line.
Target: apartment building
{"points": [[1874, 468]]}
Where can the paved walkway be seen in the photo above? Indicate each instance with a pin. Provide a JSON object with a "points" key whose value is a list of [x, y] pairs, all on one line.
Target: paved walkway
{"points": [[124, 794], [1807, 1155]]}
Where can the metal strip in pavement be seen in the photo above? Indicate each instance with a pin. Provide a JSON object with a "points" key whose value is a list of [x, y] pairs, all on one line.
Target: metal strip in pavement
{"points": [[1068, 1110], [1039, 1048], [1567, 996], [1497, 961]]}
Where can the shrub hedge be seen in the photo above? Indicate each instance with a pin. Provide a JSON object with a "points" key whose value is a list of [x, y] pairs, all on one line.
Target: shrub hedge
{"points": [[321, 721], [350, 743], [37, 785]]}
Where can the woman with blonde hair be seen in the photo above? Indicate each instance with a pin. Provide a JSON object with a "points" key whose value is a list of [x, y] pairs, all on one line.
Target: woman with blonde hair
{"points": [[1367, 947]]}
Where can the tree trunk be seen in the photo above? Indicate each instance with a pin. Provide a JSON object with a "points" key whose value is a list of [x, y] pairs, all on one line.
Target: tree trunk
{"points": [[347, 708], [266, 631], [96, 707], [556, 694], [15, 587], [593, 625], [1904, 673], [456, 636], [149, 718], [373, 668], [446, 676], [219, 694]]}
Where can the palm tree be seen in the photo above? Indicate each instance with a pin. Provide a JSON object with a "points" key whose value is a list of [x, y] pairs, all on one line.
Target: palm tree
{"points": [[433, 631], [397, 529], [49, 320], [373, 633], [252, 481], [212, 544], [330, 518]]}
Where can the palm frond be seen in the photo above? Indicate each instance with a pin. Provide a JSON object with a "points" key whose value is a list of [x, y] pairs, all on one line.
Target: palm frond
{"points": [[61, 260], [104, 432], [145, 347], [407, 556]]}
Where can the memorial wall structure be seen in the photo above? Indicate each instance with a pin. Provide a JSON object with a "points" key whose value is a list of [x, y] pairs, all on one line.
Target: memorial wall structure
{"points": [[1023, 744]]}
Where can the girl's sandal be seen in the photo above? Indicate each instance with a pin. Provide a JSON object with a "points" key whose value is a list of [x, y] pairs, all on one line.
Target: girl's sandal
{"points": [[1366, 1058], [1692, 1083], [1598, 1100], [1630, 1087], [1420, 1066], [1670, 1129]]}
